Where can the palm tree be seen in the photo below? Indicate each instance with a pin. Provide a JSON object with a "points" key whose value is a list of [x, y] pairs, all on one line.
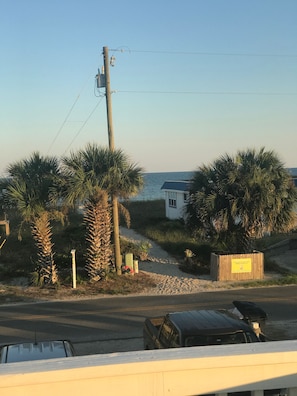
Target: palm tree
{"points": [[90, 172], [98, 223], [237, 199], [29, 190]]}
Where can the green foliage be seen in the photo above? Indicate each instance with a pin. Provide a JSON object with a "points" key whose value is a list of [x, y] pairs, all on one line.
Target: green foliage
{"points": [[112, 285], [139, 249], [289, 279], [192, 265], [68, 237], [8, 272], [36, 280], [269, 240], [97, 169], [16, 258], [145, 213], [175, 238], [16, 255], [148, 218], [197, 262], [238, 199], [29, 191]]}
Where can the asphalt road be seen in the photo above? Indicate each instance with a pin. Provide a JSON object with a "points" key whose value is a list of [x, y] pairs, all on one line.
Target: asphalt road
{"points": [[114, 324]]}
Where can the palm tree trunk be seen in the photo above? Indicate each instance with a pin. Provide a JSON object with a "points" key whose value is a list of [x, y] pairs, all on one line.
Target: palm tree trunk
{"points": [[42, 235], [116, 235], [99, 252]]}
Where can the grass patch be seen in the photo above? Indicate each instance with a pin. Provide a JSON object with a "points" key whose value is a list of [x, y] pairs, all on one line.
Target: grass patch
{"points": [[285, 280], [114, 285], [265, 242], [148, 218]]}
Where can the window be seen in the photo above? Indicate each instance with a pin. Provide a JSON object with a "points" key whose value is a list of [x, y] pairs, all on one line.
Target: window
{"points": [[223, 339], [172, 199], [175, 343], [186, 197], [172, 203], [165, 333]]}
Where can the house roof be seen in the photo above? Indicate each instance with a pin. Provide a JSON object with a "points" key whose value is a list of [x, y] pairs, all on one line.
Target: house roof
{"points": [[181, 185]]}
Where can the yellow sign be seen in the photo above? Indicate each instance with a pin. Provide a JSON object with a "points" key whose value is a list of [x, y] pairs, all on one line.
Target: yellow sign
{"points": [[241, 265]]}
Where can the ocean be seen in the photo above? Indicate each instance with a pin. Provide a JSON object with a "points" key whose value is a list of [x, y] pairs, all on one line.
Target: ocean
{"points": [[154, 181]]}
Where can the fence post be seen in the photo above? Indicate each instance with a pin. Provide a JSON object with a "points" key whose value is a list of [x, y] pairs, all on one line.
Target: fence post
{"points": [[73, 269]]}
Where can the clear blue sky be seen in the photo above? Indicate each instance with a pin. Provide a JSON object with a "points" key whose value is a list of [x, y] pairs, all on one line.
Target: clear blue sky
{"points": [[192, 80]]}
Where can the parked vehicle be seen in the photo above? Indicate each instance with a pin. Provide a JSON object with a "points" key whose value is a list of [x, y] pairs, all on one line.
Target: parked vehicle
{"points": [[205, 327], [36, 351], [252, 314]]}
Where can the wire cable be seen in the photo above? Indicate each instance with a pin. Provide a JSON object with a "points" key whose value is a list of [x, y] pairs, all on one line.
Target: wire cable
{"points": [[207, 53], [63, 123], [83, 125], [212, 93], [68, 115]]}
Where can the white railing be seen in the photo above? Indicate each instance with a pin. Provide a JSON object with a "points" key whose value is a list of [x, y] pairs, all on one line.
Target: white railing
{"points": [[174, 372]]}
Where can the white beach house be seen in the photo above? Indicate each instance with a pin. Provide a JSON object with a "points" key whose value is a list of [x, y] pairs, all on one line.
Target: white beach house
{"points": [[177, 194], [176, 197]]}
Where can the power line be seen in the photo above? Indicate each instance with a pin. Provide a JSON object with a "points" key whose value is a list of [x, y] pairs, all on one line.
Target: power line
{"points": [[211, 93], [165, 52], [67, 116], [83, 125], [63, 123], [207, 53]]}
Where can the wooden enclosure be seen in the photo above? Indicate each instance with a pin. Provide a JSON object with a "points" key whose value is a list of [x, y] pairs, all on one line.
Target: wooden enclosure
{"points": [[237, 267]]}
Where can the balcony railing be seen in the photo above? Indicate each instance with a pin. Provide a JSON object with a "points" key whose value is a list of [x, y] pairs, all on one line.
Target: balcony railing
{"points": [[176, 372]]}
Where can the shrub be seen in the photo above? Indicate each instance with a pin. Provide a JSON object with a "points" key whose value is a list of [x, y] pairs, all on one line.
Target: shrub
{"points": [[192, 265], [139, 249]]}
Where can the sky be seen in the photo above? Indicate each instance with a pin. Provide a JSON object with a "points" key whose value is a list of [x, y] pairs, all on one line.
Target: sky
{"points": [[191, 82]]}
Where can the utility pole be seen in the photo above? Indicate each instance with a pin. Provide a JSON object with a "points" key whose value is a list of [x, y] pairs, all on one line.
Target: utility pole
{"points": [[114, 199], [108, 99]]}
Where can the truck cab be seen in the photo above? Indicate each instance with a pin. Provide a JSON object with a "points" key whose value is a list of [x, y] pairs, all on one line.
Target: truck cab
{"points": [[205, 327]]}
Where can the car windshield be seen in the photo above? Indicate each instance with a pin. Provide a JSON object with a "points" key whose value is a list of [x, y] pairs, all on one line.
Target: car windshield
{"points": [[35, 351], [216, 339]]}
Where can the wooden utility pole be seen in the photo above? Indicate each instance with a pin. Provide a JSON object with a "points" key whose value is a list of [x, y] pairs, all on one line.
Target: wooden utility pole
{"points": [[114, 199], [108, 99]]}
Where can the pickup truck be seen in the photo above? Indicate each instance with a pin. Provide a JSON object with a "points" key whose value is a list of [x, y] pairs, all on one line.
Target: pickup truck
{"points": [[205, 327]]}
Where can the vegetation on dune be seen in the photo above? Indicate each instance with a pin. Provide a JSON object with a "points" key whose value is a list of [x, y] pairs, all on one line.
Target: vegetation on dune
{"points": [[228, 191]]}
